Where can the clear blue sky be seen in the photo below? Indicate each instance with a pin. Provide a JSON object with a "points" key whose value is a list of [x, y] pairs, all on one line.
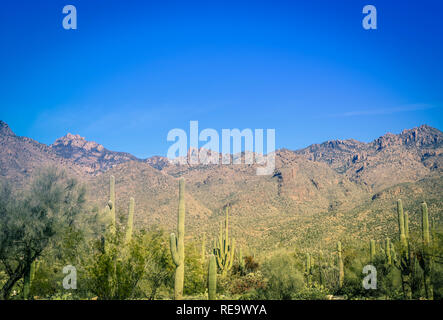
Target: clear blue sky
{"points": [[133, 70]]}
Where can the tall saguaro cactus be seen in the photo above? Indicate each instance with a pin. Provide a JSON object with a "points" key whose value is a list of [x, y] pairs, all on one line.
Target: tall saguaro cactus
{"points": [[130, 224], [212, 278], [426, 257], [224, 249], [341, 271], [111, 202], [309, 270], [404, 261], [178, 245]]}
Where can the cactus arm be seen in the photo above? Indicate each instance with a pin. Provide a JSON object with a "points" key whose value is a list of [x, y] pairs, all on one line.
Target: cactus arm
{"points": [[394, 256], [406, 217], [174, 251], [220, 237], [212, 278], [226, 230], [219, 262], [388, 251], [232, 253]]}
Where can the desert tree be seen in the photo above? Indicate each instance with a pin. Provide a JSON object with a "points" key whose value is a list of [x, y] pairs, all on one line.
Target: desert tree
{"points": [[31, 220]]}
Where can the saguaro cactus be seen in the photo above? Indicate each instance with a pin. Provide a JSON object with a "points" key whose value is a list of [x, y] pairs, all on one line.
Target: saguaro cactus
{"points": [[212, 278], [111, 202], [426, 257], [129, 226], [341, 271], [404, 261], [177, 244], [309, 269], [223, 249], [372, 251], [388, 257], [320, 268]]}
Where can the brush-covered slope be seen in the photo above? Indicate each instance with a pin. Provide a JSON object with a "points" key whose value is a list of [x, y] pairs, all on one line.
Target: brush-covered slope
{"points": [[315, 196]]}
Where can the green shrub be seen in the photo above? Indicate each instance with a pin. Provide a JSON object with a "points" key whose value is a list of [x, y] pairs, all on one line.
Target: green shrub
{"points": [[248, 284], [283, 278]]}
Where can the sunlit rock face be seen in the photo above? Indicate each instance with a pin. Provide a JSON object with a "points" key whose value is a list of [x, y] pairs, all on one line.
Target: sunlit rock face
{"points": [[89, 154]]}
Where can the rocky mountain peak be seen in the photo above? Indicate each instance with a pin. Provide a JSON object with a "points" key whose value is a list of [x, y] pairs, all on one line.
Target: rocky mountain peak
{"points": [[90, 155], [76, 141], [423, 136]]}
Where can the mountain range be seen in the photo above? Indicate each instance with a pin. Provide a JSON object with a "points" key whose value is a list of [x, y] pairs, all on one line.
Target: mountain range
{"points": [[339, 189]]}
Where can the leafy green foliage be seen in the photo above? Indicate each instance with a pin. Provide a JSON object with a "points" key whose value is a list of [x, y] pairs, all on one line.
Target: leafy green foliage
{"points": [[139, 270], [283, 277], [30, 222]]}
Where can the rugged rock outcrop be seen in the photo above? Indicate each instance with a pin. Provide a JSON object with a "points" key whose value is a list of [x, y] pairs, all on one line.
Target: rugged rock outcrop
{"points": [[88, 154]]}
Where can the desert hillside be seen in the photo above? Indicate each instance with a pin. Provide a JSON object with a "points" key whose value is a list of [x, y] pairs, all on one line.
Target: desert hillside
{"points": [[315, 196]]}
